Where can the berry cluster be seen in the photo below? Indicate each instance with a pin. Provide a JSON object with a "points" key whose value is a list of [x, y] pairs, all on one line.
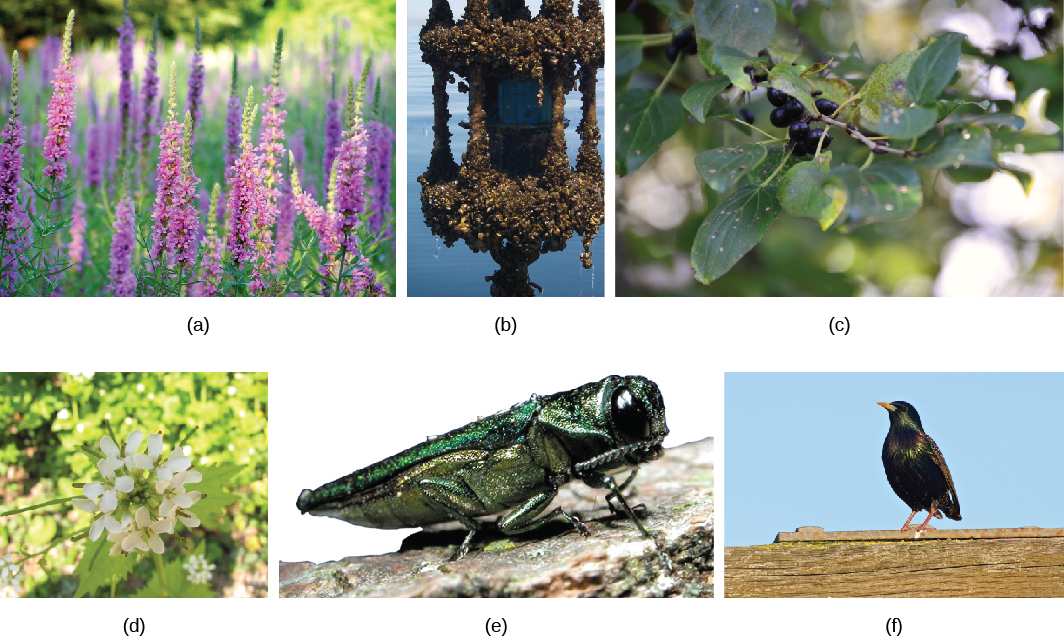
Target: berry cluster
{"points": [[789, 112], [682, 42]]}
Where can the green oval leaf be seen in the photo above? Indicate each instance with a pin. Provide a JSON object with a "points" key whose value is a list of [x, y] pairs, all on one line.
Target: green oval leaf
{"points": [[904, 123], [698, 98], [722, 167], [969, 146], [803, 192], [887, 84], [644, 121], [882, 192], [744, 24], [932, 71], [788, 79], [629, 52], [732, 229]]}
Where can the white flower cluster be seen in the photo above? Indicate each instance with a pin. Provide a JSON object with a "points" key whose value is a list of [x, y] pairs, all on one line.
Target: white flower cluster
{"points": [[11, 576], [141, 496], [200, 571]]}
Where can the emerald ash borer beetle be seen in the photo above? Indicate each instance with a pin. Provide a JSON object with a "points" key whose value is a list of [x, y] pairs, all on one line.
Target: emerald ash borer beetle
{"points": [[511, 463]]}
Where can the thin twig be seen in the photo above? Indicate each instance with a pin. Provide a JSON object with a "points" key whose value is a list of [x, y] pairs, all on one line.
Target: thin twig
{"points": [[879, 148]]}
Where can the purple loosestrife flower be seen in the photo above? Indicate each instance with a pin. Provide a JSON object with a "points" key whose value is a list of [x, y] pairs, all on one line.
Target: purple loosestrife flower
{"points": [[61, 111], [150, 90], [127, 37], [195, 82], [77, 250], [123, 281], [380, 172], [349, 198], [318, 219], [271, 149], [232, 125], [93, 160], [333, 130], [213, 252], [246, 193], [176, 221], [12, 138]]}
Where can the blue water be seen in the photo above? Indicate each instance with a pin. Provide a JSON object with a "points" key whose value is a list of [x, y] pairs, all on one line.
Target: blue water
{"points": [[436, 270]]}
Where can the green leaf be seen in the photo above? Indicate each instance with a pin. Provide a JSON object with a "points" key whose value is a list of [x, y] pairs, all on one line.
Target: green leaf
{"points": [[743, 24], [1025, 178], [104, 568], [730, 62], [946, 108], [214, 488], [998, 119], [969, 146], [788, 79], [666, 5], [932, 71], [41, 530], [887, 84], [904, 123], [1030, 75], [732, 229], [804, 192], [698, 98], [644, 121], [177, 583], [884, 191], [629, 53], [722, 167]]}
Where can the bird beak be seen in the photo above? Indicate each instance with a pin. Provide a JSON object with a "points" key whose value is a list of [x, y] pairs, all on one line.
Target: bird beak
{"points": [[887, 406]]}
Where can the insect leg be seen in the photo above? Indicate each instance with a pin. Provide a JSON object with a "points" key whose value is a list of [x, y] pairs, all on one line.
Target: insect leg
{"points": [[599, 480], [523, 517], [445, 496]]}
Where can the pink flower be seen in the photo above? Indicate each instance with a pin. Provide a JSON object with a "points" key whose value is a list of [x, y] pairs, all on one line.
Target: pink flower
{"points": [[12, 217], [123, 281], [176, 221], [127, 37], [61, 111], [247, 196], [380, 173], [150, 90]]}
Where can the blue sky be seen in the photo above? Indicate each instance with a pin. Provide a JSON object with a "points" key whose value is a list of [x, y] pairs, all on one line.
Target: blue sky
{"points": [[804, 449]]}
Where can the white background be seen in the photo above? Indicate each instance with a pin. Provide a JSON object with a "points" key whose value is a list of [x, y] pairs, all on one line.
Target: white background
{"points": [[352, 381]]}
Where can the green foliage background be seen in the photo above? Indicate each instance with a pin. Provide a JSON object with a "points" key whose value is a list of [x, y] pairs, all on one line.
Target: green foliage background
{"points": [[46, 417]]}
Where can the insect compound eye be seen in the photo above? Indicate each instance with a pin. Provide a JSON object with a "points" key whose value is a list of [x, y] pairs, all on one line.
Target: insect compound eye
{"points": [[629, 415]]}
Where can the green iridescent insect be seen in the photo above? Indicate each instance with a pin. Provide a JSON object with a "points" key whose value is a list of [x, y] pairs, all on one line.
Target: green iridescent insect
{"points": [[512, 462]]}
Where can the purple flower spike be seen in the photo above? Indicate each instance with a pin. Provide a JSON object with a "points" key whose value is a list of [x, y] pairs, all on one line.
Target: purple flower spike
{"points": [[232, 125], [380, 170], [176, 221], [61, 111], [246, 193], [123, 281], [333, 130], [93, 158], [127, 37], [350, 198], [12, 138], [195, 82], [150, 90]]}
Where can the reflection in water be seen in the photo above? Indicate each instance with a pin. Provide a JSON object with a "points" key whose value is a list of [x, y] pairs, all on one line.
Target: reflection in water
{"points": [[515, 196]]}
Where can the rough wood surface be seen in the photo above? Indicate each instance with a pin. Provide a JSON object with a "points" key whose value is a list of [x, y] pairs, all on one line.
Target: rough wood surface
{"points": [[931, 568], [553, 561]]}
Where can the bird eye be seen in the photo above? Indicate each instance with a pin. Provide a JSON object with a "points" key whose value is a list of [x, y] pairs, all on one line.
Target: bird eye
{"points": [[629, 416]]}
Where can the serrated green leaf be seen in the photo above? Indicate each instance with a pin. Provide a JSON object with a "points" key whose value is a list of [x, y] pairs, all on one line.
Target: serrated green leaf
{"points": [[803, 192], [722, 167], [177, 584], [946, 108], [629, 53], [214, 487], [970, 146], [747, 25], [698, 98], [904, 123], [644, 121], [104, 568], [732, 229], [932, 71], [887, 84], [884, 191], [787, 78]]}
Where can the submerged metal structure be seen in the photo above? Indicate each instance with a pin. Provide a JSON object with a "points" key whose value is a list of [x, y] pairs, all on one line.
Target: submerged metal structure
{"points": [[515, 194]]}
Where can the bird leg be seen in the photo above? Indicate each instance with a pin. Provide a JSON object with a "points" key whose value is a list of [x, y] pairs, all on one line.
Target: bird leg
{"points": [[929, 515], [905, 527]]}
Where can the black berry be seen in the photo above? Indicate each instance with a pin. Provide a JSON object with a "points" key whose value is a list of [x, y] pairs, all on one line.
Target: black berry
{"points": [[814, 139], [685, 41], [799, 131], [799, 149], [777, 97], [748, 69], [671, 52], [760, 77], [794, 109], [826, 107], [780, 118], [746, 115]]}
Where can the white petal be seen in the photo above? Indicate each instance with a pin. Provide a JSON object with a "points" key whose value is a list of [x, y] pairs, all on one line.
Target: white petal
{"points": [[178, 461], [165, 507], [163, 474], [143, 518], [183, 500], [96, 529], [124, 484], [109, 501], [130, 541], [155, 445], [112, 525], [133, 442], [192, 476], [195, 495], [191, 521], [116, 549], [85, 505], [164, 525], [93, 490], [142, 461], [141, 544], [178, 480], [108, 465], [108, 446], [128, 460], [156, 544]]}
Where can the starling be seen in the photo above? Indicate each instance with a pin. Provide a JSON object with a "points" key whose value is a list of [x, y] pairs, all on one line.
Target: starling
{"points": [[915, 467]]}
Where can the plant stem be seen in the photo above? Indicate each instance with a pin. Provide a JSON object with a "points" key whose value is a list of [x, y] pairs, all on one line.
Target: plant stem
{"points": [[879, 148], [668, 76], [162, 573], [775, 172]]}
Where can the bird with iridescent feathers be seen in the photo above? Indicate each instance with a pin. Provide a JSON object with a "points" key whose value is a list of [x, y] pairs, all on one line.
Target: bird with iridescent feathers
{"points": [[915, 467]]}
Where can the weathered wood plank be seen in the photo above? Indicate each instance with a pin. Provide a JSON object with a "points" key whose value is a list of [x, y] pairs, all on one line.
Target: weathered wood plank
{"points": [[926, 568]]}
